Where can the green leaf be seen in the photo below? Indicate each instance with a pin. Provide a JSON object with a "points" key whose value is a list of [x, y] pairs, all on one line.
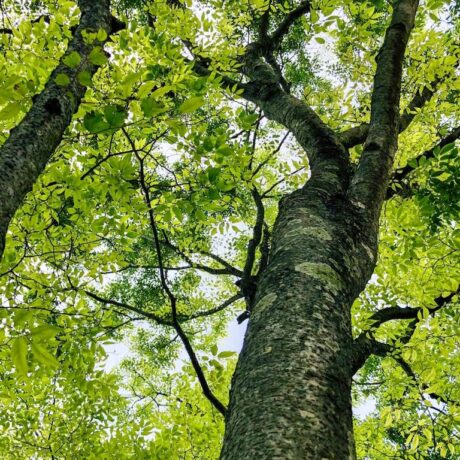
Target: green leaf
{"points": [[177, 127], [19, 355], [151, 107], [21, 317], [145, 89], [10, 111], [225, 150], [45, 331], [191, 105], [72, 60], [226, 354], [42, 355], [84, 78], [98, 56], [101, 35], [213, 174], [94, 122], [158, 93], [62, 79], [115, 115], [225, 186]]}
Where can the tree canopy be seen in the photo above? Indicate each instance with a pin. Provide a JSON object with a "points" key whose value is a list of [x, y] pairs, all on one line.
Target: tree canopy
{"points": [[150, 225]]}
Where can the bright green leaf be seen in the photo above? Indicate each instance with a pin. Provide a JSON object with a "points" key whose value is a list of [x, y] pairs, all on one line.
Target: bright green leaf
{"points": [[19, 354], [191, 105]]}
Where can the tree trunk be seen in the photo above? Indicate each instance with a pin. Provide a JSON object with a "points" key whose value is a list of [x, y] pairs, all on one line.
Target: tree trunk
{"points": [[291, 391], [32, 142]]}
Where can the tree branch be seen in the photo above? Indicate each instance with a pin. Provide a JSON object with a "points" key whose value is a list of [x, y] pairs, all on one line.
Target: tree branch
{"points": [[264, 250], [248, 282], [116, 303], [358, 134], [274, 152], [264, 25], [45, 17], [283, 29], [212, 311], [327, 156], [172, 299], [364, 345], [256, 237], [369, 184], [265, 194], [227, 270], [384, 350], [413, 376], [400, 174]]}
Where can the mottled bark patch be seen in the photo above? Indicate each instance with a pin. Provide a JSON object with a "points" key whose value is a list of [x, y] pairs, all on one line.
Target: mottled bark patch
{"points": [[368, 251], [321, 272], [358, 204], [265, 302], [313, 232]]}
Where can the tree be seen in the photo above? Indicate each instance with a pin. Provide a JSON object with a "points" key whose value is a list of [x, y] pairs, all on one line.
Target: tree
{"points": [[217, 162], [30, 144]]}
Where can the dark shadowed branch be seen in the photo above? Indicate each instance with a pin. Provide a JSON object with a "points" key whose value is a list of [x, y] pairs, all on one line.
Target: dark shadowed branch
{"points": [[125, 306], [248, 282], [385, 350], [227, 270], [264, 251], [172, 298], [401, 174], [45, 17], [254, 242], [212, 311], [283, 29], [365, 345], [357, 134]]}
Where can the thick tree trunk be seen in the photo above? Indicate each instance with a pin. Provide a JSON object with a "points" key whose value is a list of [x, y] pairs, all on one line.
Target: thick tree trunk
{"points": [[290, 396], [291, 392]]}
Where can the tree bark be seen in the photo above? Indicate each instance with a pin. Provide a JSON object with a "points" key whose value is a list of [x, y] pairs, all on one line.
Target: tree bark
{"points": [[291, 391], [31, 143]]}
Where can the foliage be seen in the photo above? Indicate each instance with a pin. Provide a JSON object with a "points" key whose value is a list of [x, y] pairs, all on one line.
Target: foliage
{"points": [[160, 153]]}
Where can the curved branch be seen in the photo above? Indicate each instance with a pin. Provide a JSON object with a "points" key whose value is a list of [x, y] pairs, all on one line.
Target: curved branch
{"points": [[327, 156], [282, 30], [248, 282], [212, 311], [364, 345], [400, 174], [256, 237], [116, 303], [385, 350], [227, 270], [172, 299], [358, 134]]}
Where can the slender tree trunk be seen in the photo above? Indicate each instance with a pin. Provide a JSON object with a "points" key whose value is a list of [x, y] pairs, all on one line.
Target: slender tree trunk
{"points": [[291, 392], [32, 142]]}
